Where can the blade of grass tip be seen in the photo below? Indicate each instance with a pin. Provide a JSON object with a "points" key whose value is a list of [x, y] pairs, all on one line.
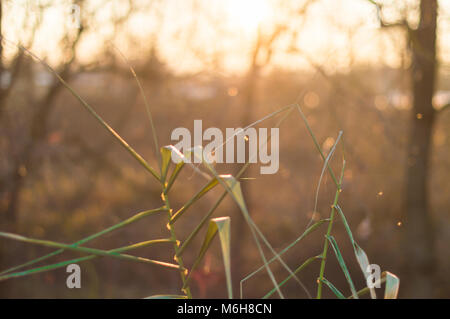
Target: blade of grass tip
{"points": [[174, 176], [81, 259], [297, 240], [333, 289], [344, 268], [240, 201], [360, 254], [316, 144], [144, 97], [392, 286], [300, 268], [210, 234], [330, 227], [86, 105], [222, 196], [222, 226], [91, 251], [166, 155], [176, 170], [365, 290], [235, 189], [121, 224]]}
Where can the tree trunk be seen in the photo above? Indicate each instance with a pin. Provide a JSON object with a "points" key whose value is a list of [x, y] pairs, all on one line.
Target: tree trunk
{"points": [[419, 244]]}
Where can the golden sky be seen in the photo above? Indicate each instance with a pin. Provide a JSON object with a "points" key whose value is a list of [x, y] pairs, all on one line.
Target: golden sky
{"points": [[194, 34]]}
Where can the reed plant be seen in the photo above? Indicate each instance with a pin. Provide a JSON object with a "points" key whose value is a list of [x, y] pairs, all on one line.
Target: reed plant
{"points": [[166, 174]]}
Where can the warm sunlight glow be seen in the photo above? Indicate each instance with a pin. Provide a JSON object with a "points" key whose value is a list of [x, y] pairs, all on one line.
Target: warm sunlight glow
{"points": [[247, 15]]}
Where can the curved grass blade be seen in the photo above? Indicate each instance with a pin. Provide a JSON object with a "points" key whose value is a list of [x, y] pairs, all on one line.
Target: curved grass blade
{"points": [[200, 225], [173, 176], [221, 225], [360, 254], [342, 264], [333, 289], [325, 164], [92, 251], [121, 224], [210, 234], [166, 155], [81, 259], [392, 286]]}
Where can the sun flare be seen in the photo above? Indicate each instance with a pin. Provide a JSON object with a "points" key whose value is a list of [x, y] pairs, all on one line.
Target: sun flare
{"points": [[247, 15]]}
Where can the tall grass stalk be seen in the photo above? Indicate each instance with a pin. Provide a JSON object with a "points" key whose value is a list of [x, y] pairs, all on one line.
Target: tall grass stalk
{"points": [[330, 227]]}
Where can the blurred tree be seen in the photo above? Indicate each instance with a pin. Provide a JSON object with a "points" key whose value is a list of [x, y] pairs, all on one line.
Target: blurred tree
{"points": [[420, 262], [26, 140], [419, 230]]}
